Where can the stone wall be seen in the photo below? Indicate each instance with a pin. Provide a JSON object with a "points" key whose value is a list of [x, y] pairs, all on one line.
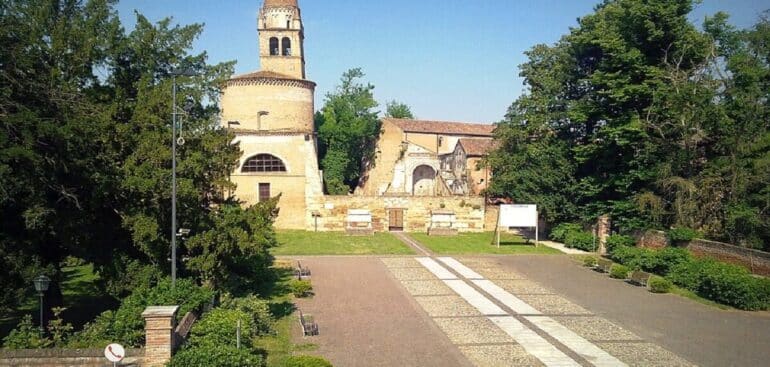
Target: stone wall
{"points": [[758, 262], [469, 212], [65, 358]]}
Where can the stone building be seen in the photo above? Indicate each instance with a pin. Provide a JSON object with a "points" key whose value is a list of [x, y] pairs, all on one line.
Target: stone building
{"points": [[463, 169], [271, 113], [408, 157]]}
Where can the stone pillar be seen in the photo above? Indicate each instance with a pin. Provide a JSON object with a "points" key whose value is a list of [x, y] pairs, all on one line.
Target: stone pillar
{"points": [[160, 322], [602, 232]]}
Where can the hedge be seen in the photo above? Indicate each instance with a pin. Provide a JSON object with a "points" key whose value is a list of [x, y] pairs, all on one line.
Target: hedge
{"points": [[207, 355], [559, 232], [724, 283], [306, 361], [618, 271], [660, 285], [580, 240]]}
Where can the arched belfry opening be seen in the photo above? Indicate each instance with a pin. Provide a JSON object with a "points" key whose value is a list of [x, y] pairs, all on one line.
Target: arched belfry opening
{"points": [[286, 46], [273, 46]]}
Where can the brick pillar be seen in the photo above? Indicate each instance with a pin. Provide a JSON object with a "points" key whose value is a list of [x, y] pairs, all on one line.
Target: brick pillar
{"points": [[160, 322], [602, 232]]}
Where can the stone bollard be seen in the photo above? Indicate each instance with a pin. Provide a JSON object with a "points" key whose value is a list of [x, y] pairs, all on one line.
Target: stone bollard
{"points": [[160, 322], [602, 232]]}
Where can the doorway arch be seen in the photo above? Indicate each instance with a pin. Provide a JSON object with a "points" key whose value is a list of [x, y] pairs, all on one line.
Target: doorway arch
{"points": [[423, 180]]}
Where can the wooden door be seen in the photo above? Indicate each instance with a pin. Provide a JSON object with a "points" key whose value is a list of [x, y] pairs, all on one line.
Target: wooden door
{"points": [[396, 219]]}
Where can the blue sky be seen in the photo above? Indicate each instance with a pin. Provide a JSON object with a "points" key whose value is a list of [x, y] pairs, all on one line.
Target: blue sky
{"points": [[451, 60]]}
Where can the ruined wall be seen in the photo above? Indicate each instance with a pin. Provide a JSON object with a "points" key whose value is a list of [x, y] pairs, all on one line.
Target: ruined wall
{"points": [[65, 358], [469, 212]]}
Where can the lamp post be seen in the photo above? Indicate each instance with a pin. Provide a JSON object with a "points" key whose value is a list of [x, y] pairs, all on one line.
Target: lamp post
{"points": [[41, 286], [174, 74]]}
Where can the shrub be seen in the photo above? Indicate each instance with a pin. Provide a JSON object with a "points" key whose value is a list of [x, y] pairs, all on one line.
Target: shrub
{"points": [[126, 323], [660, 285], [618, 271], [580, 240], [626, 255], [25, 336], [559, 233], [735, 286], [218, 327], [679, 235], [668, 258], [207, 355], [616, 240], [306, 361], [589, 261], [258, 309], [300, 288]]}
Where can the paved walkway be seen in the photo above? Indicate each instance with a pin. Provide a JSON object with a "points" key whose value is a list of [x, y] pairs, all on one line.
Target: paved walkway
{"points": [[522, 310]]}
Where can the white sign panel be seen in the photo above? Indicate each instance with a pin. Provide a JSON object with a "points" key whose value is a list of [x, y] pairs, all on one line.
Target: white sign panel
{"points": [[515, 215], [359, 216], [114, 352]]}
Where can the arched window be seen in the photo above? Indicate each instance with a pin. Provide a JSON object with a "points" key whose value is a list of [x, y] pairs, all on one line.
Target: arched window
{"points": [[274, 46], [286, 46], [263, 163]]}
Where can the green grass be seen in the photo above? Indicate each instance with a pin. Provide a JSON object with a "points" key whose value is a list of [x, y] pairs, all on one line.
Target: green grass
{"points": [[480, 243], [279, 345], [686, 293], [338, 243]]}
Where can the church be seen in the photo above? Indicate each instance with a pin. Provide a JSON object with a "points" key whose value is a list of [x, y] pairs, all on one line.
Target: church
{"points": [[270, 112]]}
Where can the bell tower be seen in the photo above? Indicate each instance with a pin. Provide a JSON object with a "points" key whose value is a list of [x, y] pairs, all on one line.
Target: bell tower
{"points": [[281, 38]]}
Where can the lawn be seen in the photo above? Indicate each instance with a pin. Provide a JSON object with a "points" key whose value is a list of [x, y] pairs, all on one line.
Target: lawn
{"points": [[338, 243], [480, 243]]}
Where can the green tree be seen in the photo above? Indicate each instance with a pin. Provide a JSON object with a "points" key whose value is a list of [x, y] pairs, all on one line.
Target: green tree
{"points": [[348, 129], [398, 110]]}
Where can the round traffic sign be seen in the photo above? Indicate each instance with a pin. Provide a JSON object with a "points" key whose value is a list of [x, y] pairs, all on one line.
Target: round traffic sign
{"points": [[115, 352]]}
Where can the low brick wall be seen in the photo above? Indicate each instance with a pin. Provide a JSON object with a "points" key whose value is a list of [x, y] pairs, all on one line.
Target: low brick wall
{"points": [[758, 262], [469, 212], [65, 358], [652, 239]]}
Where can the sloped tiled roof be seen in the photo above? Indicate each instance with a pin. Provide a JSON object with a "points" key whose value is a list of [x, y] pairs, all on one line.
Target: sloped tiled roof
{"points": [[477, 147], [279, 3], [442, 127]]}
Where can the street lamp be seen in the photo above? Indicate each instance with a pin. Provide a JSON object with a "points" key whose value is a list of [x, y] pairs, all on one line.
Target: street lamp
{"points": [[41, 286], [174, 74]]}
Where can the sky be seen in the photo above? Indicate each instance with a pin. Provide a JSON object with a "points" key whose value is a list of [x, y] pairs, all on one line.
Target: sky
{"points": [[453, 60]]}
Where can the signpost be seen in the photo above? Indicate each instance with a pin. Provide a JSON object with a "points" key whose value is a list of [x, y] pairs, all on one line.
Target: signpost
{"points": [[115, 353], [517, 215]]}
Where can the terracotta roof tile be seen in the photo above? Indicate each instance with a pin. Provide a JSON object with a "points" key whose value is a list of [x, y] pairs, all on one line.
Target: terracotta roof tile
{"points": [[442, 127], [263, 74], [477, 147]]}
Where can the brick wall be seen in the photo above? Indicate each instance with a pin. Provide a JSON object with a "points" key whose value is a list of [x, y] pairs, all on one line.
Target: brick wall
{"points": [[65, 358], [469, 212], [758, 262], [652, 239]]}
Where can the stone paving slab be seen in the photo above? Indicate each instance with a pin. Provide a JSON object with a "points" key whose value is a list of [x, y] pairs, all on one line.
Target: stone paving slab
{"points": [[472, 330], [426, 287], [412, 274], [438, 306], [595, 328], [644, 355], [400, 262], [551, 304], [522, 286], [504, 355]]}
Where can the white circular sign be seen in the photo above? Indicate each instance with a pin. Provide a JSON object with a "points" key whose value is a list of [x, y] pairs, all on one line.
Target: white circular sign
{"points": [[114, 352]]}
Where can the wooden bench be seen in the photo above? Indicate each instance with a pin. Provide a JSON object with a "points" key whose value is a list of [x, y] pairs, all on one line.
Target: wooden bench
{"points": [[309, 326], [639, 277], [603, 265], [301, 271]]}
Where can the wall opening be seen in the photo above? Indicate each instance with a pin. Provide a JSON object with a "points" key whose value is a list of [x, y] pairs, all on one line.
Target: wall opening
{"points": [[274, 46], [423, 181], [286, 46]]}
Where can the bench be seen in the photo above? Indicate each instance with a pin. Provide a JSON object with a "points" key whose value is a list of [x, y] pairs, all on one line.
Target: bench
{"points": [[639, 277], [301, 271], [309, 326], [603, 265]]}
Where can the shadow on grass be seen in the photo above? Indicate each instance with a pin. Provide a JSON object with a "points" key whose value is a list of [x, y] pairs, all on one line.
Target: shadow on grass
{"points": [[282, 309], [276, 286], [83, 296]]}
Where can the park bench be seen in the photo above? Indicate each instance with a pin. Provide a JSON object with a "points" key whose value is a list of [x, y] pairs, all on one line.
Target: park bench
{"points": [[309, 326], [301, 271], [604, 265], [639, 277]]}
